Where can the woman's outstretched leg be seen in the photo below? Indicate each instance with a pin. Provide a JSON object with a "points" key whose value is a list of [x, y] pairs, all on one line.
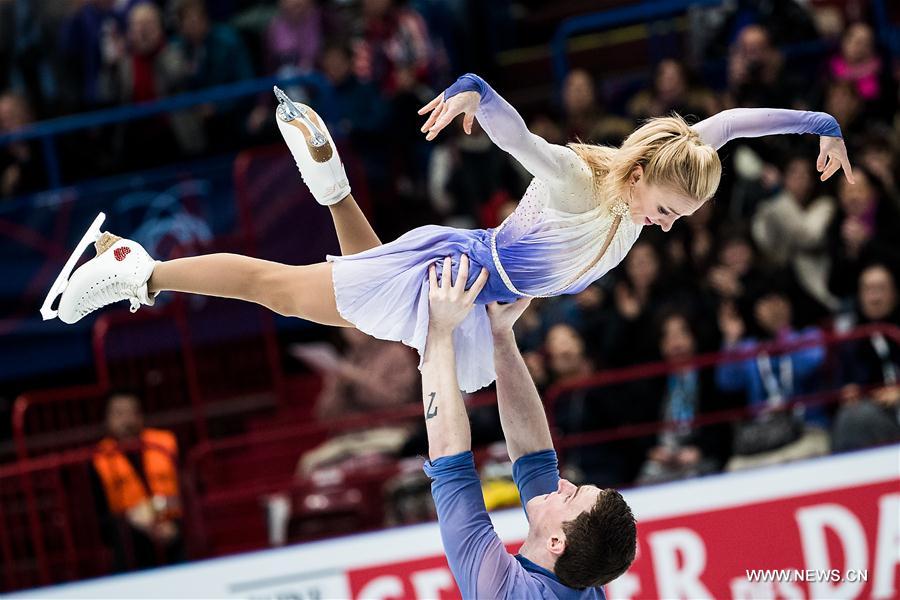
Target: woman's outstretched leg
{"points": [[295, 291], [317, 158], [122, 270]]}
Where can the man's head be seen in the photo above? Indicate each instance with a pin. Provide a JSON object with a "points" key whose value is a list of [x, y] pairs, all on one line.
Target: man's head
{"points": [[677, 340], [858, 43], [753, 44], [798, 178], [670, 81], [124, 419], [773, 312], [193, 21], [642, 265], [565, 350], [578, 93], [877, 293], [337, 63], [145, 29], [588, 532]]}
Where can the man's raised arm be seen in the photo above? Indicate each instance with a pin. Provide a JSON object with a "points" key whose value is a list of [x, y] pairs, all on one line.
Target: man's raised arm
{"points": [[521, 410], [446, 420], [480, 564]]}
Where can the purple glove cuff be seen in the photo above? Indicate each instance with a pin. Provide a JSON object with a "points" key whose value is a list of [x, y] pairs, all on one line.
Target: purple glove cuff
{"points": [[468, 83]]}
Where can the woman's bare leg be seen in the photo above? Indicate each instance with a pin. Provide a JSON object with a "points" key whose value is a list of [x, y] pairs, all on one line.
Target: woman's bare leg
{"points": [[303, 291], [355, 233]]}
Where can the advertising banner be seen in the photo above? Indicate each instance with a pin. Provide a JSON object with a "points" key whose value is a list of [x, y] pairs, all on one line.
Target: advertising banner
{"points": [[823, 528]]}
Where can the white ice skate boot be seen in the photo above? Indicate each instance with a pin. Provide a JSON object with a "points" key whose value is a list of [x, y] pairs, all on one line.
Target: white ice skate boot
{"points": [[120, 271], [313, 149]]}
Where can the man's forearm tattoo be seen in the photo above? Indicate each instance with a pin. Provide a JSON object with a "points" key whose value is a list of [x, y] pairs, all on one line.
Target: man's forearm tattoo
{"points": [[431, 411]]}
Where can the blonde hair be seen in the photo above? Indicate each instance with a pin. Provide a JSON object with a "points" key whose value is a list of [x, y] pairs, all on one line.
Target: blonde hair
{"points": [[671, 154]]}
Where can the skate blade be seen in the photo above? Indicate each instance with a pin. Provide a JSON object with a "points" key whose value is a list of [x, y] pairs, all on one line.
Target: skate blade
{"points": [[62, 280], [300, 117]]}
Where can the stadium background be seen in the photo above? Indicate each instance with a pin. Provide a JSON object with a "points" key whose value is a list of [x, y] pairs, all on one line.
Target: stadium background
{"points": [[164, 123]]}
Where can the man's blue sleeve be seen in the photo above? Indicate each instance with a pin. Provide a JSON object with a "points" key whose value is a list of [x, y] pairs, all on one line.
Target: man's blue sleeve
{"points": [[536, 474], [479, 561]]}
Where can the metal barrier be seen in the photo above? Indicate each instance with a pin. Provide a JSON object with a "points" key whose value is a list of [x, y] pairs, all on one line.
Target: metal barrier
{"points": [[649, 11], [220, 468], [49, 529], [190, 374], [609, 19], [225, 481]]}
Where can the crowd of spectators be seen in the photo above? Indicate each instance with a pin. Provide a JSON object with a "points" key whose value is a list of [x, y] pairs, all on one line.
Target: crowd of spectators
{"points": [[777, 256]]}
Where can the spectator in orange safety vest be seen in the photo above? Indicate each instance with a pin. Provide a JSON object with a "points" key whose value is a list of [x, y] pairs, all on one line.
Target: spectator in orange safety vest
{"points": [[137, 489]]}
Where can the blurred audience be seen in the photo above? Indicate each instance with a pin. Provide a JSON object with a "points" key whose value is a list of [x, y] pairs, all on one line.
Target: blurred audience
{"points": [[685, 449], [868, 417], [392, 47], [382, 59], [858, 62], [370, 374], [579, 102], [468, 174], [863, 229], [790, 229], [735, 268], [777, 432], [672, 90], [137, 488], [756, 73], [294, 37], [21, 167], [137, 69], [204, 55], [89, 39]]}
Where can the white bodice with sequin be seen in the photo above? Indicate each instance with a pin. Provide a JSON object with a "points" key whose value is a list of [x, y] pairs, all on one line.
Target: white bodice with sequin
{"points": [[555, 242], [547, 247]]}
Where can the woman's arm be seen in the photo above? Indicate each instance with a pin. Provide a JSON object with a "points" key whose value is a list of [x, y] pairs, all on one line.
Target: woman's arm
{"points": [[735, 123], [473, 96]]}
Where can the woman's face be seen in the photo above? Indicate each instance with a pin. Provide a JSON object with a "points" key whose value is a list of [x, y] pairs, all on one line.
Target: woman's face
{"points": [[578, 92], [798, 179], [294, 10], [642, 265], [857, 44], [677, 341], [856, 199], [652, 204], [670, 80], [737, 256]]}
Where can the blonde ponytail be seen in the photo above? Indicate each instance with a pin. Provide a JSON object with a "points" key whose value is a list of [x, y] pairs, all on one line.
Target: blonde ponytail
{"points": [[671, 154]]}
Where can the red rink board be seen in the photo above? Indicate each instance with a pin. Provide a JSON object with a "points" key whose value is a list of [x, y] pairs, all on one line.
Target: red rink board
{"points": [[696, 538], [706, 555]]}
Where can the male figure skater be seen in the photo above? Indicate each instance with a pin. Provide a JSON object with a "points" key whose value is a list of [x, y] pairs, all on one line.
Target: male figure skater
{"points": [[579, 537]]}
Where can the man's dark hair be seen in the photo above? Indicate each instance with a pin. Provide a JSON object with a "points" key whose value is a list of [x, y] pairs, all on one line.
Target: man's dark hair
{"points": [[600, 543]]}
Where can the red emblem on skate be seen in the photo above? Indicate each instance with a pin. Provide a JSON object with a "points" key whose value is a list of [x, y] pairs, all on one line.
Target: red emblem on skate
{"points": [[121, 252]]}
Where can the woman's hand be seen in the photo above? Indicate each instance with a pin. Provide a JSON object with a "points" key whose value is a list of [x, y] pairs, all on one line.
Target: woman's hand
{"points": [[833, 156], [449, 303], [444, 111]]}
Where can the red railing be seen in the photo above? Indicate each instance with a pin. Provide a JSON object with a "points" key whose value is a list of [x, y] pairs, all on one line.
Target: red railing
{"points": [[49, 528], [188, 373], [658, 369], [226, 480]]}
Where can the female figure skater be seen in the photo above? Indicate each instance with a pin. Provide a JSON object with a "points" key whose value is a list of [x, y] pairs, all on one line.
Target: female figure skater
{"points": [[581, 214]]}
